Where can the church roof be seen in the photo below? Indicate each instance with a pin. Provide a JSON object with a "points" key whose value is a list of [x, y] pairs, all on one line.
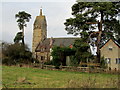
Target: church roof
{"points": [[63, 41], [55, 42]]}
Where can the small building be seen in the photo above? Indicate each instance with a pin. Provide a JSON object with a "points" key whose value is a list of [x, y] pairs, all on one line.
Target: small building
{"points": [[111, 53], [44, 48]]}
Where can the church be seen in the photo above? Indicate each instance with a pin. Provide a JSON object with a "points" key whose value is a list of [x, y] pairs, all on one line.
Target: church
{"points": [[41, 45]]}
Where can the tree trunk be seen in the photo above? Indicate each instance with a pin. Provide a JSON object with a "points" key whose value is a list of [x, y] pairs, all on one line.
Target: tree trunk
{"points": [[99, 37], [23, 36], [98, 46]]}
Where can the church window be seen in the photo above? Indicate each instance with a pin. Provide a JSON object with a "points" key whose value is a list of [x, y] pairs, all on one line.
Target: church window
{"points": [[42, 57], [45, 48], [42, 49]]}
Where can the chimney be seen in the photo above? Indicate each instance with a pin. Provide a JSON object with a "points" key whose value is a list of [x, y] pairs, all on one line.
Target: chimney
{"points": [[71, 46]]}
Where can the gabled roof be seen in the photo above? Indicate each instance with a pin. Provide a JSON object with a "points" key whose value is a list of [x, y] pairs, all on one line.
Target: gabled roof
{"points": [[56, 42], [63, 41], [116, 43]]}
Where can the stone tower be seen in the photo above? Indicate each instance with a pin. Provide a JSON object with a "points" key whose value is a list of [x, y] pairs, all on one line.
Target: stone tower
{"points": [[39, 31]]}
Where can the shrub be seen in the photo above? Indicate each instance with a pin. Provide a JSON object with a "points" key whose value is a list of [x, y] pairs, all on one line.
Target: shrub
{"points": [[48, 63], [16, 53], [59, 55], [8, 61], [103, 63]]}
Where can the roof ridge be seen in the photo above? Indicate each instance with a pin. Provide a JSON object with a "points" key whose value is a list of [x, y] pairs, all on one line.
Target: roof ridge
{"points": [[109, 40]]}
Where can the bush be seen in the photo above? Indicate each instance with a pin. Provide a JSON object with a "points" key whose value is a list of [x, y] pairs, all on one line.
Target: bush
{"points": [[59, 55], [16, 53], [48, 63], [8, 61], [103, 63], [34, 60], [74, 61]]}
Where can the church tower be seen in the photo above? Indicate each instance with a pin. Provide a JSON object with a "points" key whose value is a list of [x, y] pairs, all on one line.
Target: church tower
{"points": [[39, 31]]}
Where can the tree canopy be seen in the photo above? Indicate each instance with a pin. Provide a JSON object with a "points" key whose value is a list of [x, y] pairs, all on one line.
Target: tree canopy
{"points": [[87, 16]]}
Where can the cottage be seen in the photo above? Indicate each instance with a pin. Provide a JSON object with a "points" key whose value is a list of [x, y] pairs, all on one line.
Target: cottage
{"points": [[111, 53]]}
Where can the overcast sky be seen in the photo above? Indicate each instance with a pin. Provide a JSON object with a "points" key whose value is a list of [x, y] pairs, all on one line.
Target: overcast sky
{"points": [[56, 13]]}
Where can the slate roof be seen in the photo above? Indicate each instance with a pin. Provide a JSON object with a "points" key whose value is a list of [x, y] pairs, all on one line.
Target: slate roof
{"points": [[56, 42], [108, 41], [63, 41]]}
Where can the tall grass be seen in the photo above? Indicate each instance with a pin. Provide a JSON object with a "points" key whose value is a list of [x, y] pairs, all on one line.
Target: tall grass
{"points": [[20, 77]]}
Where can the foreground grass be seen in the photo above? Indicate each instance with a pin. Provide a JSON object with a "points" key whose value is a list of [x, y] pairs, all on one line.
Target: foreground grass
{"points": [[40, 78]]}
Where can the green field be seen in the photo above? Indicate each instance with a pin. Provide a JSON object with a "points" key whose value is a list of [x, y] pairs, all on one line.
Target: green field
{"points": [[16, 77]]}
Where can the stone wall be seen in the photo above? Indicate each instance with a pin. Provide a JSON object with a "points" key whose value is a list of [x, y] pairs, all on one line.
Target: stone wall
{"points": [[111, 50], [45, 55]]}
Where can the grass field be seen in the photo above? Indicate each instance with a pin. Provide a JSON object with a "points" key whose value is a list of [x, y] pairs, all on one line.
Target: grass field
{"points": [[16, 77]]}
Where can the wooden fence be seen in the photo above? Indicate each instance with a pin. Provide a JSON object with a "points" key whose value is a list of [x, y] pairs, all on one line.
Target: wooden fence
{"points": [[91, 64], [71, 68]]}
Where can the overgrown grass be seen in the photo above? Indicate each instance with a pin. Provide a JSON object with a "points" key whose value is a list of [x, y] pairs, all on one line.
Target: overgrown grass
{"points": [[40, 78]]}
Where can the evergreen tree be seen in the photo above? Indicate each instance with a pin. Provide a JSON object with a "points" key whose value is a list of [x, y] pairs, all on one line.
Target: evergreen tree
{"points": [[89, 16], [22, 17]]}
